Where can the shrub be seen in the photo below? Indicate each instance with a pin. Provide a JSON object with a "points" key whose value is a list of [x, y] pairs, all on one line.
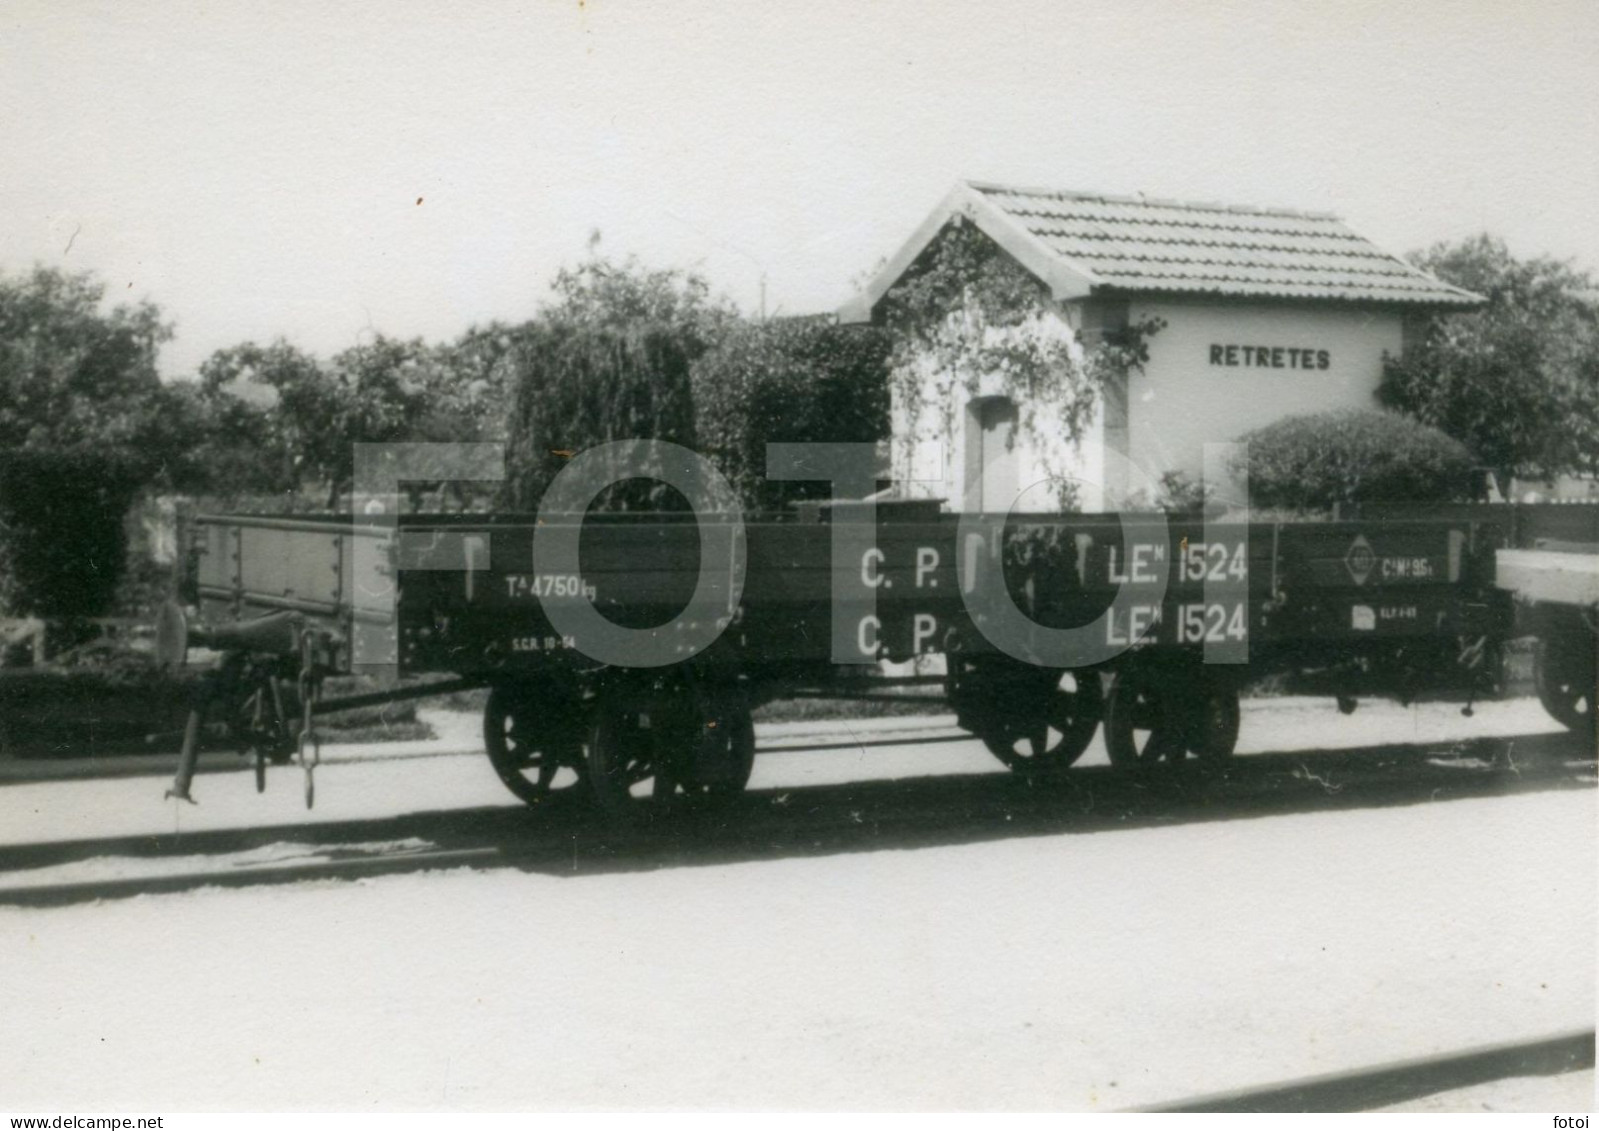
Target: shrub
{"points": [[63, 547], [1318, 461], [1178, 493], [788, 381]]}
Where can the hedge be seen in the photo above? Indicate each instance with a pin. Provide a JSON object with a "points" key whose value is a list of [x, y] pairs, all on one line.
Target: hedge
{"points": [[792, 380], [63, 546], [1319, 461]]}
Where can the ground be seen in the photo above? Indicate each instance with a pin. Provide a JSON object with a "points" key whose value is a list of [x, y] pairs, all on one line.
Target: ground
{"points": [[951, 942]]}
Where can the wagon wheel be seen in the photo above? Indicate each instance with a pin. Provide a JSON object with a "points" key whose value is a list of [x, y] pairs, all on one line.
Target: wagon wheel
{"points": [[1142, 721], [536, 754], [1565, 686], [1056, 728], [628, 778]]}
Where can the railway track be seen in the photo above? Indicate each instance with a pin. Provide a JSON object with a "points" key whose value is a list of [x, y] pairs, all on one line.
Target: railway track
{"points": [[566, 839]]}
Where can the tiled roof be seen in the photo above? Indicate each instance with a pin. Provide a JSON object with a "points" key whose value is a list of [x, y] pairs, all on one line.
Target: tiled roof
{"points": [[1085, 243]]}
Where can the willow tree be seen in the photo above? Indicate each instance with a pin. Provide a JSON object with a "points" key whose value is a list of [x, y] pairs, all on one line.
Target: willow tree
{"points": [[580, 386], [609, 360]]}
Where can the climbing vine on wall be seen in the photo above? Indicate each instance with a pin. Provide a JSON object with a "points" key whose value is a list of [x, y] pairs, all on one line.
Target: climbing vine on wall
{"points": [[970, 321]]}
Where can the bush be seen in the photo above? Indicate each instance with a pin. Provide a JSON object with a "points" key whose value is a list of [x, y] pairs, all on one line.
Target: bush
{"points": [[91, 712], [1322, 460], [1178, 493], [119, 701], [63, 547], [788, 381]]}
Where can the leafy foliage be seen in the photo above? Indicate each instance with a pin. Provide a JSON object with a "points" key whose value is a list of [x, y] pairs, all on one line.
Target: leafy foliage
{"points": [[1518, 380], [791, 380], [63, 549], [74, 378], [85, 423], [274, 419], [1177, 493], [601, 294], [609, 360], [295, 420], [269, 418], [969, 312], [582, 386], [1354, 456]]}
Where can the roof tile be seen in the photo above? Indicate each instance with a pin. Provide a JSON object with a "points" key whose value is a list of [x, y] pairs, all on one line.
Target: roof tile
{"points": [[1163, 246]]}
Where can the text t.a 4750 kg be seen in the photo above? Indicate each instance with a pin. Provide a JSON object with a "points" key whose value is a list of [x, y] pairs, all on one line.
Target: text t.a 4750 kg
{"points": [[625, 654]]}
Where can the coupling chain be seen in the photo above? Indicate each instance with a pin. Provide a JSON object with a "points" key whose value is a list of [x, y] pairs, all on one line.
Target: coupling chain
{"points": [[1472, 654], [310, 692]]}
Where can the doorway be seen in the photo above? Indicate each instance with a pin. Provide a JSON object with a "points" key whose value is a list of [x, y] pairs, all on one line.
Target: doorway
{"points": [[991, 464]]}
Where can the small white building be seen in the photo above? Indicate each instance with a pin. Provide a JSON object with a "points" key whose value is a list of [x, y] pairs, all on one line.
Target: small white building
{"points": [[1267, 313]]}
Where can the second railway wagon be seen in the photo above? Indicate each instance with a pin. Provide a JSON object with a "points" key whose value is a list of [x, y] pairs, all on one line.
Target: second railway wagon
{"points": [[627, 667]]}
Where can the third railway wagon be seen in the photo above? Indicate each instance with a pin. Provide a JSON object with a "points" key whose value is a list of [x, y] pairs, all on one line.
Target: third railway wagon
{"points": [[630, 672]]}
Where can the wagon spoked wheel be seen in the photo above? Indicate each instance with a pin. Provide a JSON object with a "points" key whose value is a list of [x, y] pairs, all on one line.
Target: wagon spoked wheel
{"points": [[624, 771], [1565, 686], [1054, 734], [536, 754], [1142, 727]]}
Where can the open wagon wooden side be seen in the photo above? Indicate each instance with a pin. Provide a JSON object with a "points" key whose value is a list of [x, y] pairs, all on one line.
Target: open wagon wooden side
{"points": [[1040, 629]]}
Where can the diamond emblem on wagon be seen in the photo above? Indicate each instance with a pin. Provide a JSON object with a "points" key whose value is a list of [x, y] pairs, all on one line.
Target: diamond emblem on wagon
{"points": [[1360, 559]]}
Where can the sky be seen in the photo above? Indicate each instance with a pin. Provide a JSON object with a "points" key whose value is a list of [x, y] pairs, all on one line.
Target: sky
{"points": [[328, 171]]}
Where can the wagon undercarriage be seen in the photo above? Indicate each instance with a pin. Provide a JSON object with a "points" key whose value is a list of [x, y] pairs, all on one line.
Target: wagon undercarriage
{"points": [[1038, 631]]}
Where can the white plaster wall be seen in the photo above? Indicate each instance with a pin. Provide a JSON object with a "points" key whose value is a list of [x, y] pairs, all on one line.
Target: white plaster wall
{"points": [[1181, 401], [1177, 404], [920, 455], [1055, 456], [933, 465]]}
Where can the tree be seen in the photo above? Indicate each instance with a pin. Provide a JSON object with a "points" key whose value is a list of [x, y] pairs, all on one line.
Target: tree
{"points": [[482, 364], [605, 295], [75, 378], [276, 410], [302, 433], [85, 424], [581, 386], [788, 380], [608, 360], [1517, 381], [63, 548]]}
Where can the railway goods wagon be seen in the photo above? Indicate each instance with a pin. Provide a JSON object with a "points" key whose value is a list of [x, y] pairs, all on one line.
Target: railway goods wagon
{"points": [[1552, 571], [626, 665]]}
